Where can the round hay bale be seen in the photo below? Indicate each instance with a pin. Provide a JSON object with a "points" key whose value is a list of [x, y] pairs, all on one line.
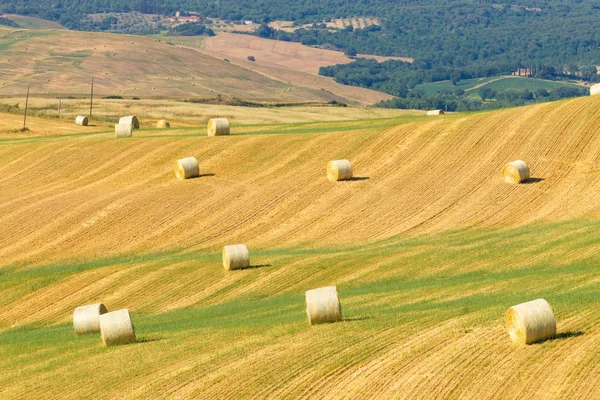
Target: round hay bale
{"points": [[435, 112], [515, 172], [130, 119], [323, 305], [123, 130], [236, 256], [218, 127], [86, 319], [163, 123], [81, 120], [339, 170], [595, 89], [531, 322], [187, 168], [116, 328]]}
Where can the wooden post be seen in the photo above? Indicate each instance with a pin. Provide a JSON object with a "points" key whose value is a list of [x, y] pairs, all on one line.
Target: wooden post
{"points": [[59, 100], [91, 97], [26, 105]]}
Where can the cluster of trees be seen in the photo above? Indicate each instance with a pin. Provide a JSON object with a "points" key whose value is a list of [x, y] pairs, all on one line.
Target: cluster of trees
{"points": [[458, 100], [400, 78], [8, 22], [132, 23], [191, 29]]}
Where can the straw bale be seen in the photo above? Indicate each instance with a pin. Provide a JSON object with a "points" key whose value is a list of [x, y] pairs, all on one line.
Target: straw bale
{"points": [[86, 319], [515, 172], [595, 89], [218, 127], [116, 328], [435, 112], [81, 120], [323, 305], [123, 130], [339, 170], [131, 119], [186, 168], [236, 256], [531, 322], [163, 123]]}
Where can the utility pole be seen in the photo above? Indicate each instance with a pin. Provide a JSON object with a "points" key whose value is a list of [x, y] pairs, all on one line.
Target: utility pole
{"points": [[26, 105], [91, 96]]}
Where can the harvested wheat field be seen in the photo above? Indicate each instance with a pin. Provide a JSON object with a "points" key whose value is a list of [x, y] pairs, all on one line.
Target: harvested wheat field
{"points": [[427, 246], [63, 62], [292, 63]]}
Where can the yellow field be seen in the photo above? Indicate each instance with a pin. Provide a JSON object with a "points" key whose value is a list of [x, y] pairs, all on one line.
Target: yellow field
{"points": [[63, 62], [180, 114], [427, 245]]}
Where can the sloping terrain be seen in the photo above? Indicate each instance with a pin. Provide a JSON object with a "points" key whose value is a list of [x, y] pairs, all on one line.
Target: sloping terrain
{"points": [[57, 62], [428, 247], [293, 63]]}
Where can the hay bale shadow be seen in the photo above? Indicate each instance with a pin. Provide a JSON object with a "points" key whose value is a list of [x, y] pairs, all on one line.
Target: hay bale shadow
{"points": [[205, 175], [568, 335], [532, 181], [258, 266], [359, 178], [148, 340]]}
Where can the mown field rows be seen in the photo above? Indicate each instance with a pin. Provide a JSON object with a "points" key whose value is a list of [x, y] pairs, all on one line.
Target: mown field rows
{"points": [[55, 62], [413, 178], [423, 318], [428, 247]]}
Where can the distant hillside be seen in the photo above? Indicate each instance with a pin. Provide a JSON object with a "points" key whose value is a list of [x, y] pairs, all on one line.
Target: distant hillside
{"points": [[64, 62]]}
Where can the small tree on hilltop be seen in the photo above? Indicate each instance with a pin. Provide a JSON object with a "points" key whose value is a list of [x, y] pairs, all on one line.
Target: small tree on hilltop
{"points": [[251, 59]]}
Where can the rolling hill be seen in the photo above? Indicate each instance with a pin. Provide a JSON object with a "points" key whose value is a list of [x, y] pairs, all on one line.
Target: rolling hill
{"points": [[57, 62], [428, 247]]}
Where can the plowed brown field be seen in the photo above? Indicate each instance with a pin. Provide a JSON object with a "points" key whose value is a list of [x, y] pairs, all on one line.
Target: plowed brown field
{"points": [[428, 247]]}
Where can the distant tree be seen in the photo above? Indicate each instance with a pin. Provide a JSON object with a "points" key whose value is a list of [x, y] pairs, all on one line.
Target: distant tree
{"points": [[350, 52], [541, 93], [455, 78], [251, 59], [487, 93], [265, 31]]}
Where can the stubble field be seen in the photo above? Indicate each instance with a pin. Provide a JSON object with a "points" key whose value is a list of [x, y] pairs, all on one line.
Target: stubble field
{"points": [[428, 248]]}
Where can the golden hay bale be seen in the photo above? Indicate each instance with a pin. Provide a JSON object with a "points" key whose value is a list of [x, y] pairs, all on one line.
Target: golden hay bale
{"points": [[531, 322], [163, 123], [186, 168], [123, 130], [86, 319], [595, 89], [323, 305], [339, 170], [236, 256], [435, 112], [515, 172], [131, 119], [81, 120], [218, 127], [116, 328]]}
